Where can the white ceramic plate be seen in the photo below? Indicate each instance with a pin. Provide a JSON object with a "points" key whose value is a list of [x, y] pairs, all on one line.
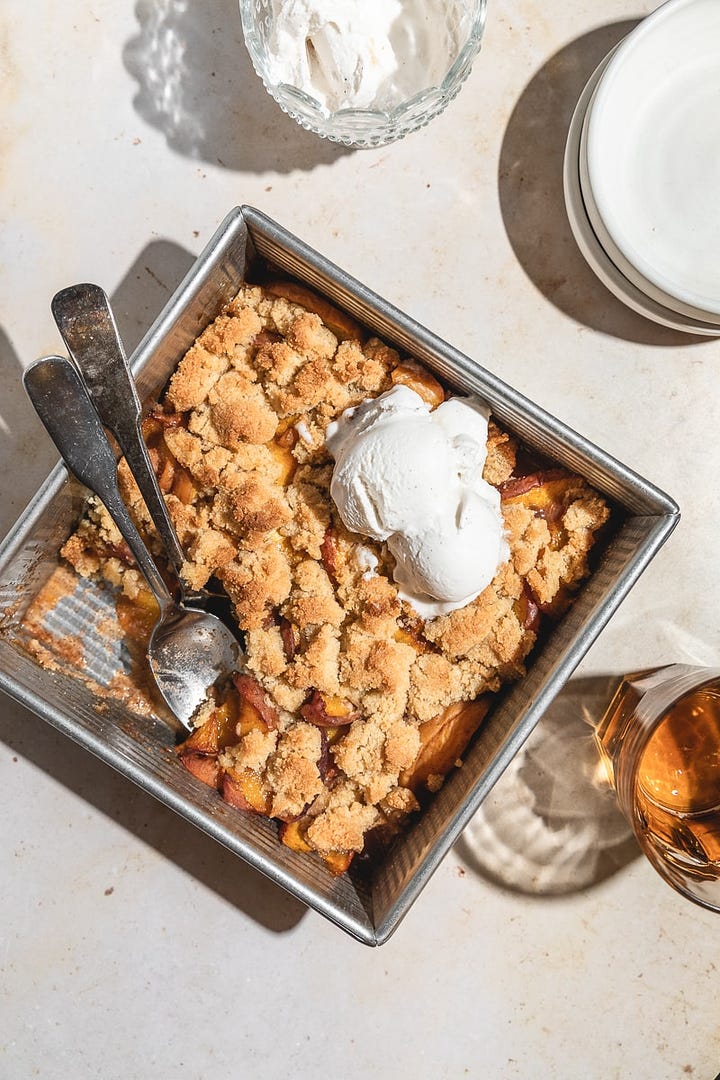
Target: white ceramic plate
{"points": [[653, 153], [624, 266], [587, 240]]}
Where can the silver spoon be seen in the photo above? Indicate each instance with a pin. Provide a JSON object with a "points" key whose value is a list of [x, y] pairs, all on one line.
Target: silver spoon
{"points": [[189, 651], [88, 328]]}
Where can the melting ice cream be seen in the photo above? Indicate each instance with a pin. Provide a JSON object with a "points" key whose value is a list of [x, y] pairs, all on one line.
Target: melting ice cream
{"points": [[413, 477], [365, 53]]}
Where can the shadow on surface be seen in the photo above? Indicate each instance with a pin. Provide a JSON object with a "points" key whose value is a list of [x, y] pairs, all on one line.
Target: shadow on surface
{"points": [[530, 185], [152, 822], [26, 452], [147, 287], [551, 826], [197, 86]]}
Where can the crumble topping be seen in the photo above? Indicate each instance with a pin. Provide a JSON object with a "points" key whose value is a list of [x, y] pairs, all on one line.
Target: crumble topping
{"points": [[345, 676]]}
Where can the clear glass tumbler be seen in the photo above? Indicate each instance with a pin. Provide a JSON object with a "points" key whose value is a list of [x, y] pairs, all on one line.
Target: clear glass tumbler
{"points": [[659, 741]]}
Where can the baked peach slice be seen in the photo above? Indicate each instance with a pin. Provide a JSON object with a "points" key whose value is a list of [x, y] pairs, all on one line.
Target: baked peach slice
{"points": [[421, 381], [292, 834], [204, 768], [528, 611], [215, 734], [246, 790], [290, 638], [172, 477], [199, 752], [443, 741], [338, 862], [281, 449], [328, 710], [330, 554], [137, 616], [343, 326], [256, 711], [410, 634], [548, 493]]}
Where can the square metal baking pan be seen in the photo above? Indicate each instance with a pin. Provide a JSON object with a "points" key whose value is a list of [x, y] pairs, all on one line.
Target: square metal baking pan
{"points": [[368, 904]]}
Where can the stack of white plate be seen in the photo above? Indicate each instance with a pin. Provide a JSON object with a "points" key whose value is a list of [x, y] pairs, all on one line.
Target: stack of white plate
{"points": [[642, 168]]}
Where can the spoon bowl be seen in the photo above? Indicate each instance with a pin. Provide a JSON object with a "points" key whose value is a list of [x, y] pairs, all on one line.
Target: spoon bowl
{"points": [[190, 651]]}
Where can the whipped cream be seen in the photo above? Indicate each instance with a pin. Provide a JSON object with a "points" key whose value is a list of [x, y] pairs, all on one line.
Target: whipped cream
{"points": [[413, 477], [365, 53]]}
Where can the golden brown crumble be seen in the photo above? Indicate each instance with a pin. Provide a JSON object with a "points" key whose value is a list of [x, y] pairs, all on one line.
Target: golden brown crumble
{"points": [[347, 687]]}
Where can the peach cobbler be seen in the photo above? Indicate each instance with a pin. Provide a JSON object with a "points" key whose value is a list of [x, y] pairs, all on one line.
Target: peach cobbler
{"points": [[354, 702]]}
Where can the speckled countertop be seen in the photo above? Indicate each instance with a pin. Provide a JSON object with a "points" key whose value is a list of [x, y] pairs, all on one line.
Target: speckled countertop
{"points": [[131, 946]]}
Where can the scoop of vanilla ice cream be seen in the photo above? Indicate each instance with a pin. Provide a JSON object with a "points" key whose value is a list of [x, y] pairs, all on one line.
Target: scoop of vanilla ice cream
{"points": [[364, 53], [413, 477], [375, 491], [453, 564], [340, 53]]}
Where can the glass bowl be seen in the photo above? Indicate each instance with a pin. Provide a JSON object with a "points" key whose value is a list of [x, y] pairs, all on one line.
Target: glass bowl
{"points": [[359, 127]]}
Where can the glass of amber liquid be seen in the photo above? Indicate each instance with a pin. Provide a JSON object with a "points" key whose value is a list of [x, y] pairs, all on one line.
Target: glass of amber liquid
{"points": [[660, 744]]}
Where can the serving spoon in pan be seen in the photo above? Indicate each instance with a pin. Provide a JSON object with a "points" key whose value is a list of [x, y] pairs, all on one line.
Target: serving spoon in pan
{"points": [[190, 651]]}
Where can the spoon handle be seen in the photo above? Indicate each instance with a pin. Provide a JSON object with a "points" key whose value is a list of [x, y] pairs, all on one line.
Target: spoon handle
{"points": [[88, 328], [64, 406]]}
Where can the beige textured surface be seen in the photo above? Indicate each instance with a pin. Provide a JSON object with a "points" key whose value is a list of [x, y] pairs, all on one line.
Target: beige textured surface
{"points": [[131, 946]]}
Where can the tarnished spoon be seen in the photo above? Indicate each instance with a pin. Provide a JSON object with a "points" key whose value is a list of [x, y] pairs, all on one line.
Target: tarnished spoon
{"points": [[85, 320], [189, 651]]}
